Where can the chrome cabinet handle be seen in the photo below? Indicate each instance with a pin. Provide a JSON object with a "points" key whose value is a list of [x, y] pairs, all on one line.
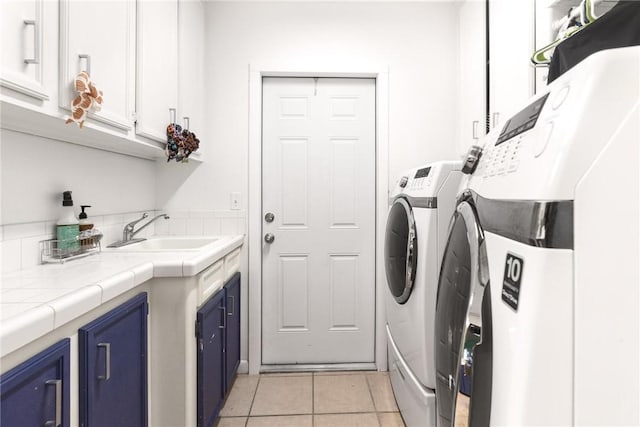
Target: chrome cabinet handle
{"points": [[88, 59], [185, 120], [269, 238], [224, 317], [58, 421], [107, 364], [495, 119], [475, 129], [269, 217], [36, 42], [233, 304]]}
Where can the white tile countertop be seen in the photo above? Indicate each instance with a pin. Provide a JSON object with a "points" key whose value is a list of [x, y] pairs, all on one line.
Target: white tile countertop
{"points": [[35, 301]]}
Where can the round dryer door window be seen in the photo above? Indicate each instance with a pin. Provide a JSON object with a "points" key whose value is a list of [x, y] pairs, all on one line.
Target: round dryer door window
{"points": [[400, 250]]}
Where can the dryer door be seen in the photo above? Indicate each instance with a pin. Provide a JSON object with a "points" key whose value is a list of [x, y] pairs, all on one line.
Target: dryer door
{"points": [[400, 250], [463, 391]]}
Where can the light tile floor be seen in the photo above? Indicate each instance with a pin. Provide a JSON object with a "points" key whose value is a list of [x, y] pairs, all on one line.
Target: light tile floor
{"points": [[322, 399]]}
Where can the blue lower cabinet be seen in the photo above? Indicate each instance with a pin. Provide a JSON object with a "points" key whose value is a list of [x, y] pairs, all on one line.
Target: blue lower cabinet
{"points": [[232, 335], [218, 341], [113, 367], [36, 393], [210, 331]]}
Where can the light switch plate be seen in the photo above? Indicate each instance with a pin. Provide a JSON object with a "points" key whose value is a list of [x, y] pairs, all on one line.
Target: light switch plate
{"points": [[235, 201]]}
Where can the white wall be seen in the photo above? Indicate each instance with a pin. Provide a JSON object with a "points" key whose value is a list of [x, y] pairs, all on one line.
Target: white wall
{"points": [[35, 172], [416, 41]]}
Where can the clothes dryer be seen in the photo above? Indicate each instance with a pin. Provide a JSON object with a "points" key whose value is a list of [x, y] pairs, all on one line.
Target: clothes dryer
{"points": [[537, 315], [422, 204]]}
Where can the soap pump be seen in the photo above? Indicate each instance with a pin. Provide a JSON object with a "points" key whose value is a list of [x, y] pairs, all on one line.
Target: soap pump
{"points": [[85, 227], [67, 228], [85, 224]]}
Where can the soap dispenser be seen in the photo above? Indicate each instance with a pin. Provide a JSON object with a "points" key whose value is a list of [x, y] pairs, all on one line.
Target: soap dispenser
{"points": [[67, 228], [85, 226], [84, 222]]}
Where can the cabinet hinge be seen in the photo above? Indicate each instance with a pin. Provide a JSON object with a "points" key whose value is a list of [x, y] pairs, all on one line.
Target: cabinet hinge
{"points": [[134, 117], [198, 333]]}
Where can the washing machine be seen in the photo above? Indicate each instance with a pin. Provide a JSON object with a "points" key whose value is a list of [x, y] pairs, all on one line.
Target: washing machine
{"points": [[537, 313], [421, 207]]}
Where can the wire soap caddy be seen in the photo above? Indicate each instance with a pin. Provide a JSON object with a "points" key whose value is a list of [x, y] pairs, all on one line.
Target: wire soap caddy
{"points": [[61, 251]]}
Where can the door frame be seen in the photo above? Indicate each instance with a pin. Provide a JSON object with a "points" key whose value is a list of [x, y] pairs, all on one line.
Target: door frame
{"points": [[254, 239]]}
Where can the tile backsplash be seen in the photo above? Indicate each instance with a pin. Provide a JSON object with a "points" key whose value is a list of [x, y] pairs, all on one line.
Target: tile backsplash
{"points": [[202, 223], [20, 249]]}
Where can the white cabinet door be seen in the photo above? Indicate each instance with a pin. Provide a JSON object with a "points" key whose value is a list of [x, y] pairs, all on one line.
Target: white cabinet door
{"points": [[23, 25], [511, 43], [157, 79], [472, 65], [104, 31], [191, 68]]}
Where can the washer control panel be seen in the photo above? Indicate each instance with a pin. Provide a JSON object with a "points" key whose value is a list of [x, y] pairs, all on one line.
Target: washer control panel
{"points": [[523, 121], [504, 156], [501, 159]]}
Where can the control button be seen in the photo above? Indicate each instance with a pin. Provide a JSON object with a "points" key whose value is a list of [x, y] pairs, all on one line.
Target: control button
{"points": [[543, 140], [559, 97]]}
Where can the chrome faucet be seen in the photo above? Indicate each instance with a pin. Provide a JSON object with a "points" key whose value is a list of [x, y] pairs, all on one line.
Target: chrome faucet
{"points": [[128, 232]]}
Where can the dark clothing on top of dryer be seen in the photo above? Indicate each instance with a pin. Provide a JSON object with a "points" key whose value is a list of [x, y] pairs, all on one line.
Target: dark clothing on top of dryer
{"points": [[620, 27]]}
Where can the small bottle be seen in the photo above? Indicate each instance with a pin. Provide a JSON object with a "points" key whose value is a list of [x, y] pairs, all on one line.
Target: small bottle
{"points": [[84, 225], [67, 228]]}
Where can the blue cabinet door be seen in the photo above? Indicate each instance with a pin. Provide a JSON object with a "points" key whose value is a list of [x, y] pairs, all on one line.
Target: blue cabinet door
{"points": [[113, 367], [36, 393], [211, 321], [232, 333]]}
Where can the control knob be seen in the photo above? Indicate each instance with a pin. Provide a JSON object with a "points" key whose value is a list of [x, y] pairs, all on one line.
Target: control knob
{"points": [[472, 159]]}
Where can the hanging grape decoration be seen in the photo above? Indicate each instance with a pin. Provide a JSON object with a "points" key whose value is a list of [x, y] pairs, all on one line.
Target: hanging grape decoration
{"points": [[180, 143]]}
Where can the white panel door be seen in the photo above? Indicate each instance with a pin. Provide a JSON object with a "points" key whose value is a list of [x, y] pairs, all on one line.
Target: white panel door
{"points": [[157, 67], [21, 48], [319, 184], [99, 37]]}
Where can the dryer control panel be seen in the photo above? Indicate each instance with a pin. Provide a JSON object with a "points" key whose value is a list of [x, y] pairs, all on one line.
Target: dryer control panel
{"points": [[422, 178], [425, 181]]}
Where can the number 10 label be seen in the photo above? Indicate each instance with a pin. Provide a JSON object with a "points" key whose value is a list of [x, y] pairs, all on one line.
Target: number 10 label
{"points": [[513, 268]]}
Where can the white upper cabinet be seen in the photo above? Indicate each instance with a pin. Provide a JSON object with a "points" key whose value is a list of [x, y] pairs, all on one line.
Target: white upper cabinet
{"points": [[472, 74], [511, 43], [99, 37], [158, 60], [22, 64], [191, 71]]}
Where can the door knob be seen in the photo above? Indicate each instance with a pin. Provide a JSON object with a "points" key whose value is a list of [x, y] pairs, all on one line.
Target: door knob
{"points": [[269, 217], [269, 238]]}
